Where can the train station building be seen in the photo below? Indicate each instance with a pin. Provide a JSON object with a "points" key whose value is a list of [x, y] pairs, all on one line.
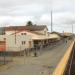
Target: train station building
{"points": [[18, 38]]}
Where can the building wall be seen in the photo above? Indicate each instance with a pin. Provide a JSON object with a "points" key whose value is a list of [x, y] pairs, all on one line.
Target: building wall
{"points": [[34, 36], [2, 46], [2, 43], [43, 31], [55, 36], [18, 42], [2, 37]]}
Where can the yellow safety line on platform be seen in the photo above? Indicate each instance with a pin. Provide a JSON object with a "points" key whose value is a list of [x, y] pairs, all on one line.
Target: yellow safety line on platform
{"points": [[62, 64]]}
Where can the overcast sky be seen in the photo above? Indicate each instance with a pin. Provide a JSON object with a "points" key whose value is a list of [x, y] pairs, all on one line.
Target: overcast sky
{"points": [[18, 12]]}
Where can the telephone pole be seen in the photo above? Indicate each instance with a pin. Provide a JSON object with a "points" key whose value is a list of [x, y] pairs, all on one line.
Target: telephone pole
{"points": [[72, 28], [51, 22]]}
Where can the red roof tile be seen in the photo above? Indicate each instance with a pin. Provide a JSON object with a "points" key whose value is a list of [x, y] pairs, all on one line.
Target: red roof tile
{"points": [[31, 28]]}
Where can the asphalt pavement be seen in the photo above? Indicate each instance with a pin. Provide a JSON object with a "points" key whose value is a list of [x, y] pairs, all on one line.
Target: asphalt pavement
{"points": [[43, 64]]}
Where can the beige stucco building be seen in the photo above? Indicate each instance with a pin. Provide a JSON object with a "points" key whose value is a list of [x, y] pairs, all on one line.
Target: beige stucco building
{"points": [[18, 38], [18, 41]]}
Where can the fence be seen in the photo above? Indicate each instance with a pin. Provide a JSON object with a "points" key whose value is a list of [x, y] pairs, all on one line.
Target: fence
{"points": [[63, 67], [6, 56]]}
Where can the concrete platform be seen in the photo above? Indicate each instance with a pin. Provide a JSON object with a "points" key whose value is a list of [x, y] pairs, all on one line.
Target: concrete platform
{"points": [[44, 64]]}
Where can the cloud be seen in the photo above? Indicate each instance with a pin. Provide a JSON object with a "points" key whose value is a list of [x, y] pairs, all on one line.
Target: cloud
{"points": [[14, 20], [29, 10], [18, 12]]}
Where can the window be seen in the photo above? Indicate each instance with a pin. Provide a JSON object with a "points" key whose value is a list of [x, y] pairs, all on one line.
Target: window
{"points": [[23, 42], [45, 32], [4, 38], [48, 34], [23, 33]]}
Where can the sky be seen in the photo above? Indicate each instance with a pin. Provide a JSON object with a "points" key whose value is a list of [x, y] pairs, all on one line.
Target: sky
{"points": [[18, 12]]}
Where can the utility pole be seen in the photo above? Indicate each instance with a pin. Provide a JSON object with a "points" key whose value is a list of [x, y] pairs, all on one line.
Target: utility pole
{"points": [[51, 22], [72, 28], [3, 33]]}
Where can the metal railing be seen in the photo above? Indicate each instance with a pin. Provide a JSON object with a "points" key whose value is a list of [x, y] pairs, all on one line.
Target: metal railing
{"points": [[67, 70], [64, 66]]}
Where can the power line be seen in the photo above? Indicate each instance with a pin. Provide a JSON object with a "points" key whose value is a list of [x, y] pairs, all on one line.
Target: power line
{"points": [[64, 26]]}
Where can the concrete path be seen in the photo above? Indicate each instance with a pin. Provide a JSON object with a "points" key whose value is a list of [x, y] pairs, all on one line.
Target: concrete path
{"points": [[44, 64]]}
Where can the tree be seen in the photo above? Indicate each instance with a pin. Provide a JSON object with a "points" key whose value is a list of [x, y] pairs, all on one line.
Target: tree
{"points": [[29, 23]]}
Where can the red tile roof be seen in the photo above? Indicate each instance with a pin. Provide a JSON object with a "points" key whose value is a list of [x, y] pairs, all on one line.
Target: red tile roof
{"points": [[30, 28]]}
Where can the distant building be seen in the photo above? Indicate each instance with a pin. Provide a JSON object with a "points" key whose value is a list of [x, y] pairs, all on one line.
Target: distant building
{"points": [[56, 34]]}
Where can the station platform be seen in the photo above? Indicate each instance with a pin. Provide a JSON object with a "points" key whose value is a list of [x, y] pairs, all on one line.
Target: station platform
{"points": [[50, 62]]}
